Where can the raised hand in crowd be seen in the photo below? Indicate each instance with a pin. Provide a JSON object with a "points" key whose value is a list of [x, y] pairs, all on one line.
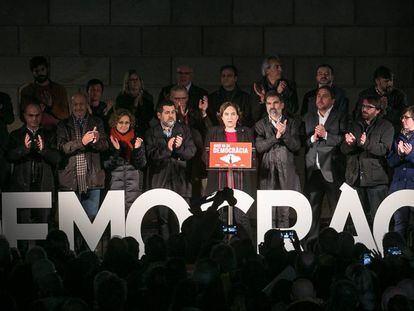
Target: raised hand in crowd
{"points": [[350, 139], [363, 139], [40, 143], [90, 137], [319, 132], [138, 143], [203, 105], [259, 90], [281, 128], [115, 142], [404, 148], [170, 143], [178, 141], [27, 141], [281, 87]]}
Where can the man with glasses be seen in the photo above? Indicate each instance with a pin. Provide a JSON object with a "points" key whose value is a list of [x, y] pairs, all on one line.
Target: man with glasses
{"points": [[185, 79], [394, 100], [366, 146]]}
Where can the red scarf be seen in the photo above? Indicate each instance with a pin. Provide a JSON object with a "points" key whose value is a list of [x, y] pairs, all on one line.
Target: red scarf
{"points": [[124, 141]]}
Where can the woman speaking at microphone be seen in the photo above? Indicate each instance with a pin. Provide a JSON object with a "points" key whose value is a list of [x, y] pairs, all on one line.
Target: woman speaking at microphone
{"points": [[230, 131]]}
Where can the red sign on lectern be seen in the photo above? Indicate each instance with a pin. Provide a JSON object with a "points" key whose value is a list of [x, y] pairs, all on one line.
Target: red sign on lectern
{"points": [[234, 155]]}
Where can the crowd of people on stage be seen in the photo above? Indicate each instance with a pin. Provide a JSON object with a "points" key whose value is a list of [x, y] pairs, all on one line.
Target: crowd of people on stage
{"points": [[83, 144], [86, 145]]}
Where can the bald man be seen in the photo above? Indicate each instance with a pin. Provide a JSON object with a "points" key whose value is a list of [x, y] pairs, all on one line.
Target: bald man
{"points": [[81, 138], [184, 77]]}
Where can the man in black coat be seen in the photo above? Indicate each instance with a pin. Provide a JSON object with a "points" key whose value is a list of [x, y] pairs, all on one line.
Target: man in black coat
{"points": [[170, 147], [184, 78], [277, 139], [33, 152], [394, 100], [325, 76], [229, 91], [366, 146], [325, 129]]}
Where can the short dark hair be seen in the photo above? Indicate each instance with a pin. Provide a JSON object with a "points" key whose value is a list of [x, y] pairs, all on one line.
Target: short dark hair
{"points": [[37, 61], [165, 102], [410, 110], [230, 67], [94, 82], [325, 66], [383, 72], [329, 89], [274, 93]]}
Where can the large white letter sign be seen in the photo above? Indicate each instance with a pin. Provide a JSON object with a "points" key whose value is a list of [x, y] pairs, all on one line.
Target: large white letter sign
{"points": [[111, 211], [145, 202], [385, 211], [14, 200], [349, 204], [266, 199]]}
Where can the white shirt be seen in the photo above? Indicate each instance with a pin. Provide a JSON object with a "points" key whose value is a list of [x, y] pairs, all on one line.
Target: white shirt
{"points": [[322, 120]]}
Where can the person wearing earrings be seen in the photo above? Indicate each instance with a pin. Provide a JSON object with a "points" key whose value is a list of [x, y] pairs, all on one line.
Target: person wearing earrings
{"points": [[401, 159], [229, 130], [126, 159]]}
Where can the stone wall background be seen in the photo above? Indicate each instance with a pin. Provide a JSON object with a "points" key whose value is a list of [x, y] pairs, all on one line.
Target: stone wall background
{"points": [[102, 39]]}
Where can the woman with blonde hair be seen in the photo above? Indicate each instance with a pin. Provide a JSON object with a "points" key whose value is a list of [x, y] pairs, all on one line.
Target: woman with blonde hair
{"points": [[137, 100]]}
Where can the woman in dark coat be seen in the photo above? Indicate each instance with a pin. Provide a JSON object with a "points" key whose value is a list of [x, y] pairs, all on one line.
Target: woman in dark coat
{"points": [[230, 131], [137, 100], [401, 159], [126, 157]]}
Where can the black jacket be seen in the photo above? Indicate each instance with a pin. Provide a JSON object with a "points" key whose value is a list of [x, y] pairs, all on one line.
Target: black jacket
{"points": [[277, 155], [70, 147], [331, 160], [170, 169], [28, 162], [127, 175], [237, 96], [290, 97], [195, 93], [367, 165]]}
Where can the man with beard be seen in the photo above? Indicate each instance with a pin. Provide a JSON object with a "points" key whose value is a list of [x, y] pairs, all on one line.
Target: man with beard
{"points": [[170, 147], [325, 76], [325, 129], [277, 138], [394, 100], [51, 96], [366, 146], [229, 91]]}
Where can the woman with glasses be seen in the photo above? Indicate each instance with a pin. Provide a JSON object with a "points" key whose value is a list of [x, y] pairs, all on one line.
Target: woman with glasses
{"points": [[137, 100], [401, 159], [126, 159]]}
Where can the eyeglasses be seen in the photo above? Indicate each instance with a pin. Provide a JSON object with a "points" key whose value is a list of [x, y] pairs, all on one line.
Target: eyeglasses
{"points": [[368, 107], [184, 72], [124, 122], [406, 117]]}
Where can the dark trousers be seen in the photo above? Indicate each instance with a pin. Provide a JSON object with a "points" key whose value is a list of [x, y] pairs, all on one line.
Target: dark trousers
{"points": [[402, 220], [371, 198], [316, 188]]}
